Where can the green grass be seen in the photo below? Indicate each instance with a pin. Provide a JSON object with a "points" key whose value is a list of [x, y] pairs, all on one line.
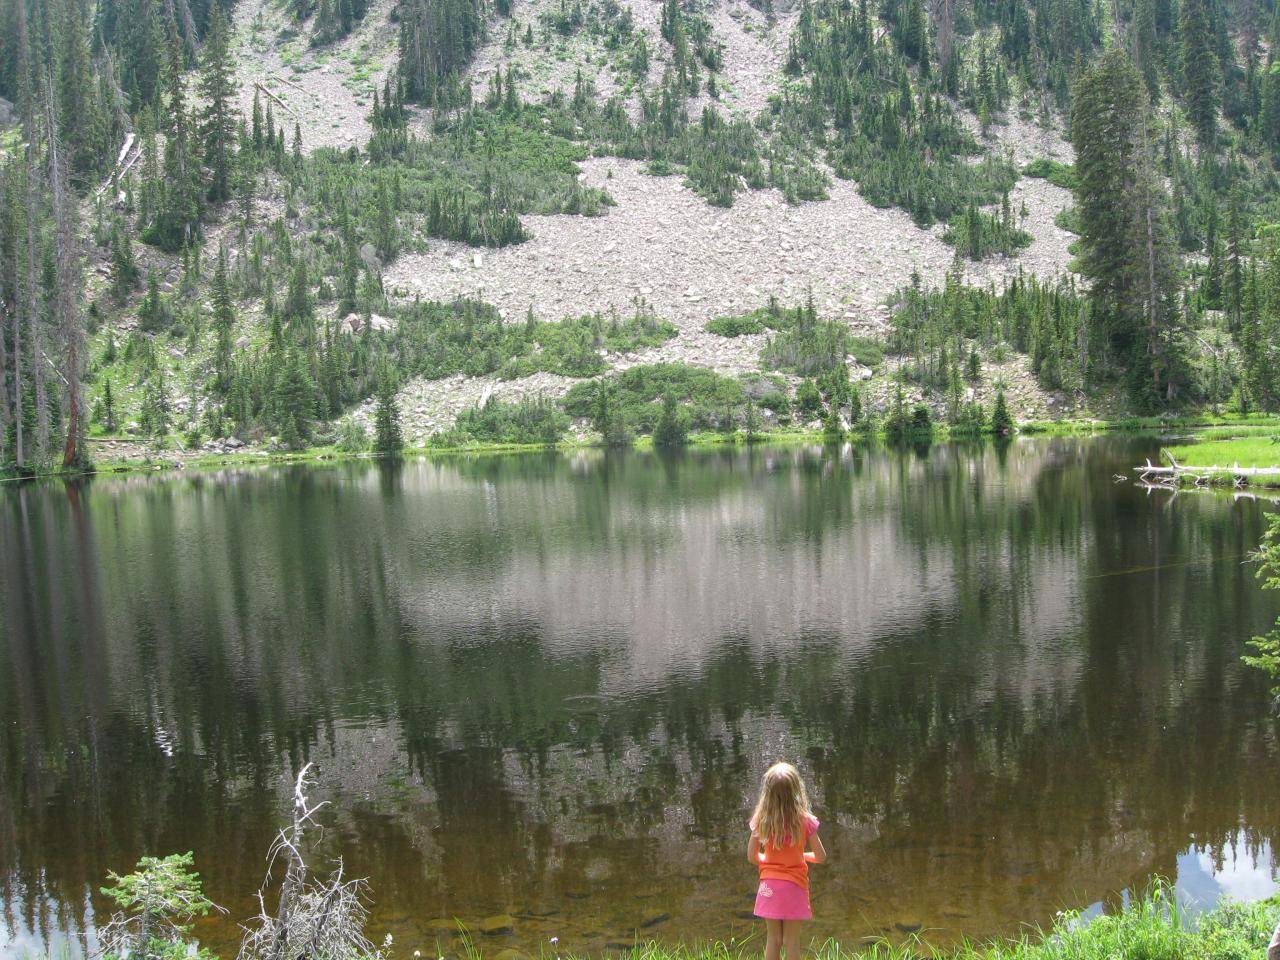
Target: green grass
{"points": [[1218, 425], [1252, 452]]}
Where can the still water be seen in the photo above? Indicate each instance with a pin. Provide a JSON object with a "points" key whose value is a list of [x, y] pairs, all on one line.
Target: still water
{"points": [[545, 686]]}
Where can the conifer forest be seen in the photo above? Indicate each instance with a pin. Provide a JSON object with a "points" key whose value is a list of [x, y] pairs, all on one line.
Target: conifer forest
{"points": [[364, 224]]}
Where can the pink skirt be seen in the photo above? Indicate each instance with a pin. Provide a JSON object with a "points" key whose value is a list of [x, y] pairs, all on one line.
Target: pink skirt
{"points": [[782, 900]]}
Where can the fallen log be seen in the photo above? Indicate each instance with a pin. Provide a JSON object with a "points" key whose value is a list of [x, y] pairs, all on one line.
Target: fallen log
{"points": [[283, 105], [289, 83]]}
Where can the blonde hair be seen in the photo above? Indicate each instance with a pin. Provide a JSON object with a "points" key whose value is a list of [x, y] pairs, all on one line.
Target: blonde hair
{"points": [[780, 814]]}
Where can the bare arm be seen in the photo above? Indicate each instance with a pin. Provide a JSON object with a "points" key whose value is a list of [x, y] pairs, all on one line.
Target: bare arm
{"points": [[819, 854], [753, 854], [1273, 951]]}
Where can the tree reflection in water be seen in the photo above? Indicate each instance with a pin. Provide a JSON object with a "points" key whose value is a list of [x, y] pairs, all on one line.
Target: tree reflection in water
{"points": [[547, 684]]}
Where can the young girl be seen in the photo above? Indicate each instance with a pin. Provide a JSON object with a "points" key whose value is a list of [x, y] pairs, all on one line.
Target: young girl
{"points": [[781, 828]]}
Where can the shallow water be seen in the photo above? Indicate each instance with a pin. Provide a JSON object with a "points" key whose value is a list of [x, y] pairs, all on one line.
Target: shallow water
{"points": [[546, 685]]}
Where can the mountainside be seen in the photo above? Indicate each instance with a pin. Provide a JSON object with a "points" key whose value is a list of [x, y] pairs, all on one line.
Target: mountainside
{"points": [[517, 222]]}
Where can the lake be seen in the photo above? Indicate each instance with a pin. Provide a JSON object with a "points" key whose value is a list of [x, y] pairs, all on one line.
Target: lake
{"points": [[546, 686]]}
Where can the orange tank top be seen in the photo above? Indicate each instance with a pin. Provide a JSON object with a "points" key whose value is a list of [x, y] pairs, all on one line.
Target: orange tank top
{"points": [[787, 862]]}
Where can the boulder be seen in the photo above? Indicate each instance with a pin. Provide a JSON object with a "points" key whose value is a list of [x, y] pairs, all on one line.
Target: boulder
{"points": [[497, 925]]}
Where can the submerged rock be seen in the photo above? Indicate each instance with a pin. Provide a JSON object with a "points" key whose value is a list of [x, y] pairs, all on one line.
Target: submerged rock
{"points": [[497, 925]]}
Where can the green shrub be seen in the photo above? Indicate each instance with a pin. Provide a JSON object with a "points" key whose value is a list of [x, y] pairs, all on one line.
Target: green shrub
{"points": [[638, 393], [524, 422], [979, 235], [672, 428], [1055, 171]]}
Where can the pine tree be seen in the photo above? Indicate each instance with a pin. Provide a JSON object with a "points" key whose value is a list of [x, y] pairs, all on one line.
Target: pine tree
{"points": [[1200, 71], [672, 427], [79, 118], [1126, 251], [294, 402], [124, 266], [108, 408], [156, 411], [68, 281], [298, 309], [388, 438], [831, 423], [1269, 115], [176, 220], [1001, 419], [218, 120], [223, 323], [386, 238], [1145, 46]]}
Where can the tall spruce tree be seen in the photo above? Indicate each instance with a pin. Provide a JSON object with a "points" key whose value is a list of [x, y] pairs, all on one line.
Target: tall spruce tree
{"points": [[218, 119], [388, 436], [1200, 71], [79, 116], [176, 219], [224, 319], [1126, 251]]}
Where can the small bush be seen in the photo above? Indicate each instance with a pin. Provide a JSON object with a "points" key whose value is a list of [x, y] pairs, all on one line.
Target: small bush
{"points": [[1056, 172], [523, 422]]}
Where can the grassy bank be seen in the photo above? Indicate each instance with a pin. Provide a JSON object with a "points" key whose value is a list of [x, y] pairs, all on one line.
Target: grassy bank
{"points": [[1207, 426], [1256, 452], [1228, 458], [1212, 425]]}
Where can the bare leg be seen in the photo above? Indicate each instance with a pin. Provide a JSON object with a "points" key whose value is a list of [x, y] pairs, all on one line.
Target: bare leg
{"points": [[773, 939], [791, 938]]}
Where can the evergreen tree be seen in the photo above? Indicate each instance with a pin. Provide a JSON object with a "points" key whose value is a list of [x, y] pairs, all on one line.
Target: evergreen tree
{"points": [[108, 408], [124, 266], [294, 402], [1269, 115], [223, 323], [1145, 46], [176, 220], [831, 423], [386, 233], [672, 429], [298, 309], [156, 410], [1126, 251], [1001, 419], [218, 120], [79, 118], [388, 437], [1200, 70]]}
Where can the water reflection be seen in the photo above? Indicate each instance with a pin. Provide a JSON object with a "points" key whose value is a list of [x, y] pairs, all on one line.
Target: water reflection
{"points": [[545, 684], [1239, 870]]}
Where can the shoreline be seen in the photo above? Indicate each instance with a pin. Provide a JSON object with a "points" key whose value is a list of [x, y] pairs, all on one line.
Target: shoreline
{"points": [[164, 461], [1155, 925]]}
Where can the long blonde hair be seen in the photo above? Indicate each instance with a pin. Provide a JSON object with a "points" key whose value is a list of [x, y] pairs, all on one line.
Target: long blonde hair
{"points": [[780, 814]]}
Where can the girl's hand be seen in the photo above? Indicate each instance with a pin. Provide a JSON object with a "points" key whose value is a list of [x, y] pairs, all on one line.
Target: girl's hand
{"points": [[819, 853], [753, 850]]}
